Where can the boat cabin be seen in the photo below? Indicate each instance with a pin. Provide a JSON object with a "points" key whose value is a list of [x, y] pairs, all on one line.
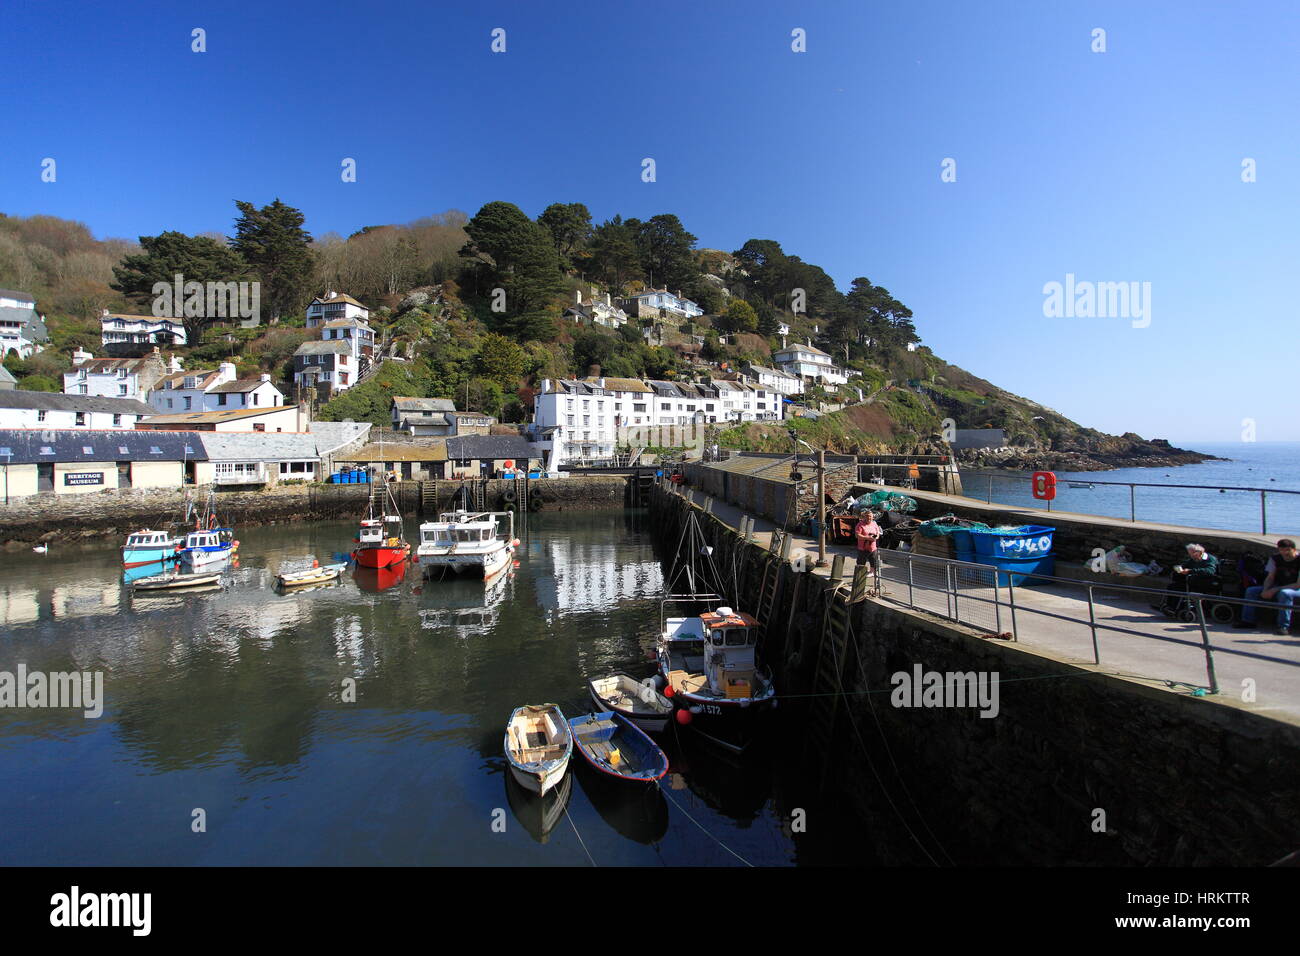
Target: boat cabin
{"points": [[459, 528], [149, 539], [204, 539], [373, 531], [727, 665], [729, 646]]}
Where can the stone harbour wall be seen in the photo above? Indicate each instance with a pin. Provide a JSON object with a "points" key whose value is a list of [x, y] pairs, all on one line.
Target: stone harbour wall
{"points": [[118, 512]]}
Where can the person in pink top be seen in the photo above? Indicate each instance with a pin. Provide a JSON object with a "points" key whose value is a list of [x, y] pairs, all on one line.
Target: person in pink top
{"points": [[867, 533]]}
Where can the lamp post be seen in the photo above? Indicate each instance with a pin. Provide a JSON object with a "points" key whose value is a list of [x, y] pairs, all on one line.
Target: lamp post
{"points": [[821, 497]]}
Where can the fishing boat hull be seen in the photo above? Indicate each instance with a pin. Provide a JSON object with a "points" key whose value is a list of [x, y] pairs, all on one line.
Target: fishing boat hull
{"points": [[733, 723], [617, 749], [486, 564], [195, 559], [616, 694], [139, 557], [538, 745], [381, 557]]}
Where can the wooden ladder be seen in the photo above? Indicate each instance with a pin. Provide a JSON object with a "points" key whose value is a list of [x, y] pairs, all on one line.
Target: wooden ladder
{"points": [[828, 675]]}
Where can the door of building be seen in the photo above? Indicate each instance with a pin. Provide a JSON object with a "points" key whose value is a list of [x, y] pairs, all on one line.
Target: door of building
{"points": [[44, 477], [124, 474]]}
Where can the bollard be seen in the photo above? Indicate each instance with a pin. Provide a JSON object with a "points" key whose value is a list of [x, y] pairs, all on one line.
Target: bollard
{"points": [[859, 584], [787, 541], [837, 569], [708, 504]]}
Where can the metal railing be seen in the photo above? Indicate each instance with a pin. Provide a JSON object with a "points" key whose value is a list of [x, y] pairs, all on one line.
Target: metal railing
{"points": [[972, 480], [994, 601]]}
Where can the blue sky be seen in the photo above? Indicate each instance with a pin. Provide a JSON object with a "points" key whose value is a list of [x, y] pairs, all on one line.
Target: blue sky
{"points": [[1115, 167]]}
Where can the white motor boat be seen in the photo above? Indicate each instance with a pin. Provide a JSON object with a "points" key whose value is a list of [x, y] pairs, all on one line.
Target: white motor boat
{"points": [[470, 542]]}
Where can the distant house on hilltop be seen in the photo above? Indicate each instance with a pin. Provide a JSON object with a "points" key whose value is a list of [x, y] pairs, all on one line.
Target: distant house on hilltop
{"points": [[124, 334], [334, 306], [22, 329], [646, 305]]}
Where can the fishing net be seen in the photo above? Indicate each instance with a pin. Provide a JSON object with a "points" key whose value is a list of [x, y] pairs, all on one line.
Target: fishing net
{"points": [[886, 501]]}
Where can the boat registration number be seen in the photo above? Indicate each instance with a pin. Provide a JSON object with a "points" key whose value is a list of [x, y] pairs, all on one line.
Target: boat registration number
{"points": [[711, 708]]}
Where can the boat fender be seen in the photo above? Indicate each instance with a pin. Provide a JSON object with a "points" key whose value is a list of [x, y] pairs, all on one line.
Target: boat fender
{"points": [[683, 717], [534, 503], [515, 543], [510, 494], [659, 682]]}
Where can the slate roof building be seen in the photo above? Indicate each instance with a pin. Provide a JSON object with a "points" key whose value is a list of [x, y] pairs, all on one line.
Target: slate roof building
{"points": [[485, 456], [67, 461], [116, 377], [327, 367], [21, 409]]}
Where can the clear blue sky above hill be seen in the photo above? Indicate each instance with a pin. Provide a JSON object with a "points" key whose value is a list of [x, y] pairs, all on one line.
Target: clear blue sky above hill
{"points": [[1115, 166]]}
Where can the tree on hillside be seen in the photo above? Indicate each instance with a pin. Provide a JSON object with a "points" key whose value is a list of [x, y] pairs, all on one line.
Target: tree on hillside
{"points": [[739, 316], [666, 252], [518, 256], [500, 360], [614, 255], [274, 244], [870, 312], [195, 258], [570, 227]]}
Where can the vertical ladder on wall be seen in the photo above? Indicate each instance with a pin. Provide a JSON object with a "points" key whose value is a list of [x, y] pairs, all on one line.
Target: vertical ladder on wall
{"points": [[521, 494], [828, 675], [480, 488], [767, 590], [429, 496]]}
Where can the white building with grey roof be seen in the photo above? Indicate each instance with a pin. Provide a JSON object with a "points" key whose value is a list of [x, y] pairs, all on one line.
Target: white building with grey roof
{"points": [[22, 328], [21, 409]]}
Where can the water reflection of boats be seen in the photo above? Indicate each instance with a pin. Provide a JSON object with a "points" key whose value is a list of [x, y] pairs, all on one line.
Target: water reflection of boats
{"points": [[538, 815], [466, 606], [380, 579], [735, 786], [639, 813]]}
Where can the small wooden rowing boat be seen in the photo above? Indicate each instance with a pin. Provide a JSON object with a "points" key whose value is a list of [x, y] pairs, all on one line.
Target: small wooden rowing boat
{"points": [[176, 581], [640, 703], [317, 574], [538, 744], [617, 748]]}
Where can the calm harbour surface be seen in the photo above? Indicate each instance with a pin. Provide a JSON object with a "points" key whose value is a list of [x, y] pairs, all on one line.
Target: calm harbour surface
{"points": [[231, 702]]}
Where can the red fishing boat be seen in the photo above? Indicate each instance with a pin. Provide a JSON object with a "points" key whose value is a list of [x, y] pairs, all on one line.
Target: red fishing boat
{"points": [[381, 540]]}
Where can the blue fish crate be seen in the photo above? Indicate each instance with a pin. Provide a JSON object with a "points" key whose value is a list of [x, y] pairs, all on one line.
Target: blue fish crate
{"points": [[1007, 572], [1031, 541]]}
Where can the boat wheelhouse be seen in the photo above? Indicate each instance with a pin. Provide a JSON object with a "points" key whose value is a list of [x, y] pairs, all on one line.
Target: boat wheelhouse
{"points": [[202, 549], [711, 663], [467, 542], [381, 539], [148, 547]]}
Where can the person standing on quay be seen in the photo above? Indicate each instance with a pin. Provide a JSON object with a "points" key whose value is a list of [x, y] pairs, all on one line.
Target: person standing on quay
{"points": [[1283, 571], [867, 533]]}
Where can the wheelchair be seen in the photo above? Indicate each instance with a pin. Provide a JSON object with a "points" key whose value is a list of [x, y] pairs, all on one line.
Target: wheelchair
{"points": [[1219, 611]]}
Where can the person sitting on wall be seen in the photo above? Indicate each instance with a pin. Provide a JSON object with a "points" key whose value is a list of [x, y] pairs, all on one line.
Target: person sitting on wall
{"points": [[866, 532], [1194, 574], [1281, 574]]}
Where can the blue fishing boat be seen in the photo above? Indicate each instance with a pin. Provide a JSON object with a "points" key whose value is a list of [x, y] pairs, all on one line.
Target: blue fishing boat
{"points": [[617, 748], [148, 547], [202, 549]]}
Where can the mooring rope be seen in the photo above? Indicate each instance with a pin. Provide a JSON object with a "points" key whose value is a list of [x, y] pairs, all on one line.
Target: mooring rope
{"points": [[578, 835], [702, 827]]}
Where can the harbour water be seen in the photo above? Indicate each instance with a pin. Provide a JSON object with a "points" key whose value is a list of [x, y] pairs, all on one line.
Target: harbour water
{"points": [[231, 702], [1271, 465]]}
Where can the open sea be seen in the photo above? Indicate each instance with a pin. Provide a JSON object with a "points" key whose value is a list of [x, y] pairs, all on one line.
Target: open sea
{"points": [[1272, 466]]}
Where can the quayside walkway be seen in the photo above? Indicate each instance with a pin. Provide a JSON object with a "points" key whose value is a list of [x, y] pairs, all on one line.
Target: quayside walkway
{"points": [[1111, 629]]}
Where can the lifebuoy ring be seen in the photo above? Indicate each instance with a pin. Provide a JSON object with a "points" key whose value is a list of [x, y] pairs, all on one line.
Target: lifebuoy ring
{"points": [[510, 494]]}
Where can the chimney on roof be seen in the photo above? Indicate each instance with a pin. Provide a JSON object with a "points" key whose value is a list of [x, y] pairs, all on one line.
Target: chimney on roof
{"points": [[593, 371], [266, 377], [80, 356], [577, 297]]}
